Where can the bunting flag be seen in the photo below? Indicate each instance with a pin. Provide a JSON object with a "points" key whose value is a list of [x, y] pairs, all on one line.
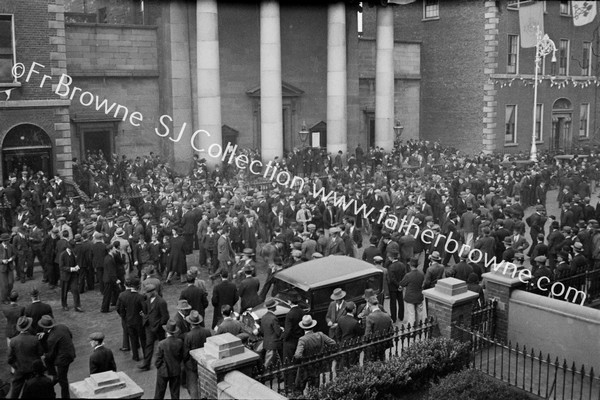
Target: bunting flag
{"points": [[584, 12], [7, 93], [401, 2], [531, 17]]}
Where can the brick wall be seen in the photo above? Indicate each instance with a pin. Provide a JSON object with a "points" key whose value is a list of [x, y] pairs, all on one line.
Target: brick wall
{"points": [[109, 50], [451, 67]]}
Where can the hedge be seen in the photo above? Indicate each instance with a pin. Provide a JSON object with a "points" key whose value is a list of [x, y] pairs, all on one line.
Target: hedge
{"points": [[417, 366], [471, 384]]}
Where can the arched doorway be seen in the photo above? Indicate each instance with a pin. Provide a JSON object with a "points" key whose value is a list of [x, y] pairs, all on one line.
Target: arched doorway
{"points": [[562, 116], [26, 145]]}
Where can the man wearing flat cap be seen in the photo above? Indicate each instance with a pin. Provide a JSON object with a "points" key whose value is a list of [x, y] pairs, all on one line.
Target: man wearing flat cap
{"points": [[335, 245], [24, 350], [101, 359], [377, 323]]}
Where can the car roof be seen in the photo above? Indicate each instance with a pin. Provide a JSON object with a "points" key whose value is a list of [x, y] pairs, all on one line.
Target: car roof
{"points": [[325, 271]]}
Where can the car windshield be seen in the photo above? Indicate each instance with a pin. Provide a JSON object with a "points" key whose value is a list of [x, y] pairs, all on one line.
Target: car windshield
{"points": [[288, 292]]}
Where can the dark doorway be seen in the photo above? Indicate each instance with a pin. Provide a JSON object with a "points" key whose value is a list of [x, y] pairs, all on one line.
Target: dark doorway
{"points": [[370, 123], [98, 140], [36, 159]]}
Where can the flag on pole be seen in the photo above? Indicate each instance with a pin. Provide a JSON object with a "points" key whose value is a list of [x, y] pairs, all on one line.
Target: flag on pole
{"points": [[531, 17], [584, 12]]}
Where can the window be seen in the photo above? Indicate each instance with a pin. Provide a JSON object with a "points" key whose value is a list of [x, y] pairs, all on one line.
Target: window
{"points": [[510, 132], [584, 124], [565, 8], [563, 57], [512, 65], [431, 9], [586, 62], [516, 4], [7, 49], [539, 127]]}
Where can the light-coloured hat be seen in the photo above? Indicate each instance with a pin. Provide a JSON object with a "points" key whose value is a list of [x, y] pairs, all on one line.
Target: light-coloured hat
{"points": [[307, 322], [338, 294]]}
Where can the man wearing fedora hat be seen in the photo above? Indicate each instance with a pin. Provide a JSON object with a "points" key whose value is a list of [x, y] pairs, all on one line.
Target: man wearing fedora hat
{"points": [[7, 267], [309, 344], [37, 309], [169, 357], [57, 341], [224, 293], [183, 310], [272, 333], [336, 309], [192, 340], [24, 349], [579, 261], [435, 271], [377, 323]]}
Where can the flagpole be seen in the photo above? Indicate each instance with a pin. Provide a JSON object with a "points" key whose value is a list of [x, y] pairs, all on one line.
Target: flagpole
{"points": [[543, 46]]}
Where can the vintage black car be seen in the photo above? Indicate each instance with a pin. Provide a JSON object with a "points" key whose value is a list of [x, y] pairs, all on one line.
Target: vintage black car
{"points": [[312, 283]]}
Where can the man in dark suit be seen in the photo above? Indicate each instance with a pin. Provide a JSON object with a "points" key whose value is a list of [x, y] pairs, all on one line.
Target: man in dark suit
{"points": [[98, 256], [188, 225], [271, 330], [349, 329], [130, 304], [109, 278], [101, 359], [36, 310], [59, 350], [292, 331], [24, 350], [372, 250], [224, 293], [248, 290], [377, 323], [69, 278], [192, 340], [39, 386], [12, 312], [463, 269], [195, 296], [155, 315], [413, 293], [396, 272], [169, 356], [7, 267]]}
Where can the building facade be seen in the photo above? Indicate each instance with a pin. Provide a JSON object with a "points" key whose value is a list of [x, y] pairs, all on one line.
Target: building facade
{"points": [[477, 80], [142, 77]]}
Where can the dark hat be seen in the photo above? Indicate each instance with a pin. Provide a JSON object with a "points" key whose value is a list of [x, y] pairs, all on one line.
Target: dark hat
{"points": [[385, 235], [540, 259], [369, 293], [24, 323], [508, 240], [78, 238], [307, 322], [563, 254], [194, 318], [435, 256], [149, 288], [46, 322], [5, 237], [248, 251], [248, 269], [271, 304], [183, 305], [171, 327], [14, 296], [337, 294]]}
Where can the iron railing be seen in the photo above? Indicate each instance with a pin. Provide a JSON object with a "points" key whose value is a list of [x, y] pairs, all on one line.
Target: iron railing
{"points": [[530, 370], [483, 318], [283, 376], [569, 286]]}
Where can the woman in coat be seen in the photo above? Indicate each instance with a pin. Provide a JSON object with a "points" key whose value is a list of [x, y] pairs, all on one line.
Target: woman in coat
{"points": [[177, 262]]}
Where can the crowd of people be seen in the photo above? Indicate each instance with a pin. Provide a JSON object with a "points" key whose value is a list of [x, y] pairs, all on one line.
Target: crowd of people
{"points": [[129, 226]]}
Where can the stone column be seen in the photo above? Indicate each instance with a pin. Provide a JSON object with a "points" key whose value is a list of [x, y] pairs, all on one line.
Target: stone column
{"points": [[450, 302], [384, 79], [336, 78], [209, 78], [498, 286], [221, 354], [271, 108]]}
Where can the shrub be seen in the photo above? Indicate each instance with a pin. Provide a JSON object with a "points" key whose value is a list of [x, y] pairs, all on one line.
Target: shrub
{"points": [[471, 384], [412, 371]]}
